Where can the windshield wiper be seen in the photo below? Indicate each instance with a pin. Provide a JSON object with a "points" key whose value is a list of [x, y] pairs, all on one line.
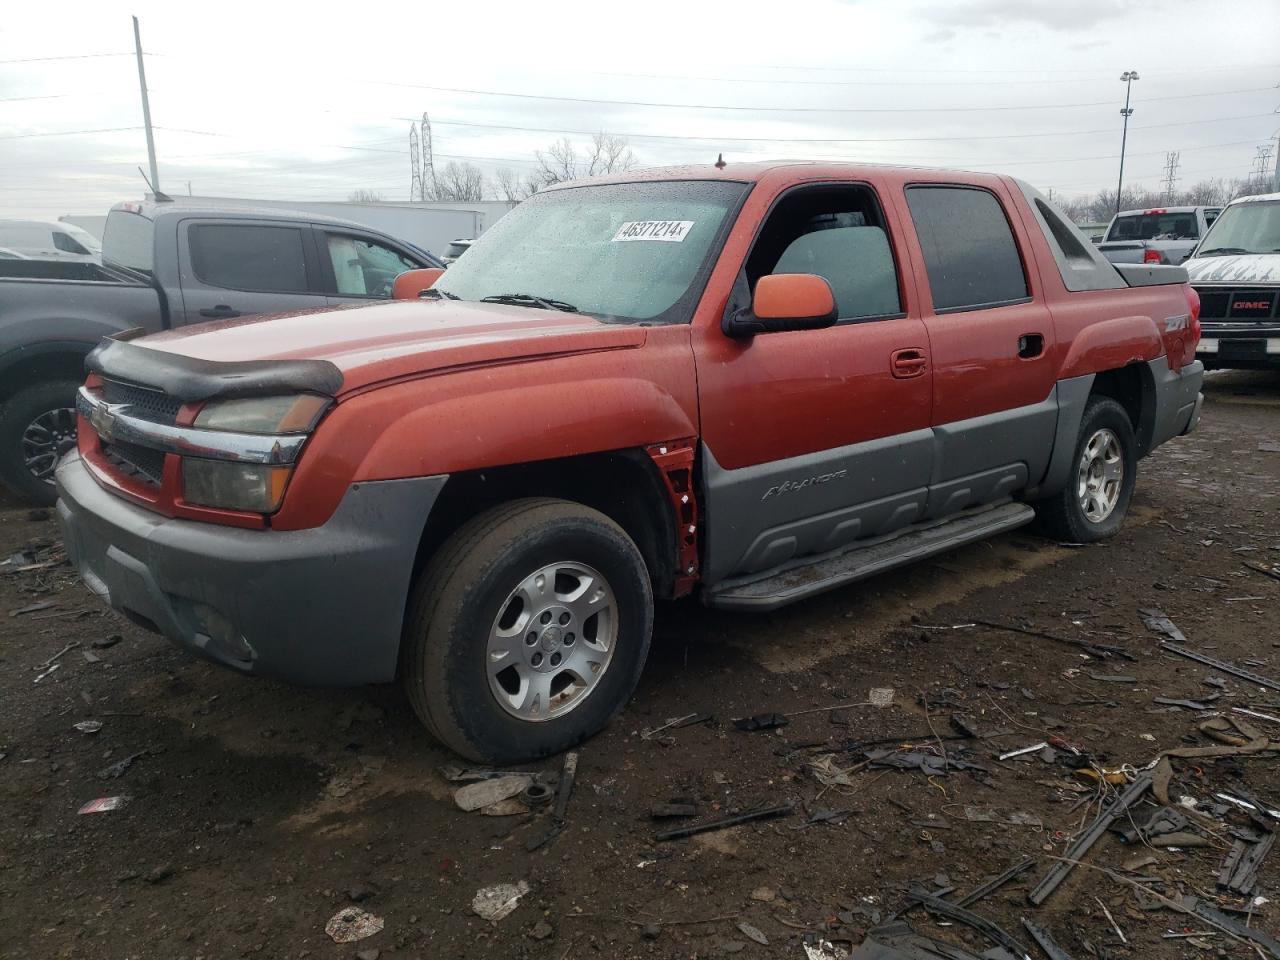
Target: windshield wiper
{"points": [[440, 294], [1222, 251], [529, 300]]}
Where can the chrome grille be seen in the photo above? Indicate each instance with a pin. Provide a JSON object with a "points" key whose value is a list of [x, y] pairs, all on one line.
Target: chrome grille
{"points": [[146, 402]]}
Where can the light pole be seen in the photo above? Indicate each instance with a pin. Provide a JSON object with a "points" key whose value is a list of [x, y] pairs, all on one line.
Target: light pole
{"points": [[1127, 111]]}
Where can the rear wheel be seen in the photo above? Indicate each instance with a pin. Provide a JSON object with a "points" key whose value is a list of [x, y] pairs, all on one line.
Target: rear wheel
{"points": [[37, 426], [1103, 472], [527, 631]]}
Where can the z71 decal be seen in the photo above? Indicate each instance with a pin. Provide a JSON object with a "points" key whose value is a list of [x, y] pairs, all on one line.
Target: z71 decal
{"points": [[795, 486]]}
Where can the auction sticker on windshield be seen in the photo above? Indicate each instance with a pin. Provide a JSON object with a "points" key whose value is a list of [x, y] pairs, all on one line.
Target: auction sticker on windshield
{"points": [[671, 231]]}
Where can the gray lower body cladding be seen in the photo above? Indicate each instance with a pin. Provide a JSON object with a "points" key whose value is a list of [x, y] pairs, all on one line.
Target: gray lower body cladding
{"points": [[323, 606]]}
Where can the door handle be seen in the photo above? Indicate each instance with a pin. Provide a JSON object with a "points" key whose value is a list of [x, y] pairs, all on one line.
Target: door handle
{"points": [[908, 362], [1030, 345], [219, 312]]}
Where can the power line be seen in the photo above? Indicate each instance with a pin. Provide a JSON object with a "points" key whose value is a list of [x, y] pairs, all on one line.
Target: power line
{"points": [[75, 56], [64, 133], [716, 139], [746, 109]]}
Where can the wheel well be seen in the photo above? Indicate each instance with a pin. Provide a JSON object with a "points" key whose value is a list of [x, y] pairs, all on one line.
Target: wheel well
{"points": [[1133, 387], [52, 365], [624, 485]]}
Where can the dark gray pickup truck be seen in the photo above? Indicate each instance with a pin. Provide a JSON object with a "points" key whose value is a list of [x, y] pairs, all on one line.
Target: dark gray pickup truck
{"points": [[164, 264]]}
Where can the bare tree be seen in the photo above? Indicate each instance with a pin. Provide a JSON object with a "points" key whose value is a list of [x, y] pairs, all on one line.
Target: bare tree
{"points": [[562, 161], [364, 196], [459, 183], [511, 187]]}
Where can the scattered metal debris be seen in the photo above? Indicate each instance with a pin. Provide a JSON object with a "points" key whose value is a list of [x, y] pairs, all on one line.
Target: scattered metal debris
{"points": [[104, 804], [1089, 646], [1161, 821], [1256, 715], [817, 948], [1112, 920], [351, 924], [1012, 818], [673, 724], [1023, 750], [990, 886], [34, 608], [1222, 665], [959, 914], [1157, 622], [1196, 906], [753, 933], [1046, 942], [1131, 795], [724, 823], [762, 721], [1113, 678], [1272, 570], [117, 769], [1239, 874], [662, 811], [88, 726], [496, 902], [1204, 703], [483, 793], [53, 669], [927, 763]]}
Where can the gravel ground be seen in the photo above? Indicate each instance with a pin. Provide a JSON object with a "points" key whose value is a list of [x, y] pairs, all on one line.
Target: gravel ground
{"points": [[258, 811]]}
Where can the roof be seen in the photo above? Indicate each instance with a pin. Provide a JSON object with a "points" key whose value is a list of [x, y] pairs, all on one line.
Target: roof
{"points": [[1258, 198], [154, 209], [1142, 210], [757, 171]]}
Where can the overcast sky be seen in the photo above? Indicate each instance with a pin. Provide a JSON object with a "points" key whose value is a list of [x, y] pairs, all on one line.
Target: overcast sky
{"points": [[314, 101]]}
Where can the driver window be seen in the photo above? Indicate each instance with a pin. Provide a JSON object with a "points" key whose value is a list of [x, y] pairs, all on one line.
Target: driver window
{"points": [[838, 233], [362, 268]]}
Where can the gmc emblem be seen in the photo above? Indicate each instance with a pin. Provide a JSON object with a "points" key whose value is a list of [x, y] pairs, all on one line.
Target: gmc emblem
{"points": [[1251, 305]]}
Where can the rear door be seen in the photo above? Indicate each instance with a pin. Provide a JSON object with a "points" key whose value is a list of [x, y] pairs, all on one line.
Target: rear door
{"points": [[232, 268], [991, 338], [359, 266]]}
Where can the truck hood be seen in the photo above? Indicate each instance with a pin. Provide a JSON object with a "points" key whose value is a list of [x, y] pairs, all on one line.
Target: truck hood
{"points": [[1242, 268], [368, 344]]}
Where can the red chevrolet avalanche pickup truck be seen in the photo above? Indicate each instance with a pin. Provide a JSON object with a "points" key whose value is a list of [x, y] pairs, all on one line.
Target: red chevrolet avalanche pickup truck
{"points": [[754, 383]]}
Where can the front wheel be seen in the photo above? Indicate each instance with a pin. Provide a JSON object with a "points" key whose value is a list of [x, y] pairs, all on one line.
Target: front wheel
{"points": [[1103, 472], [37, 426], [527, 631]]}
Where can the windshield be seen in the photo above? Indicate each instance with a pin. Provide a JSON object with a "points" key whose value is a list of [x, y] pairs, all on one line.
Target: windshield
{"points": [[627, 251], [127, 241], [1155, 225], [83, 237], [1252, 227]]}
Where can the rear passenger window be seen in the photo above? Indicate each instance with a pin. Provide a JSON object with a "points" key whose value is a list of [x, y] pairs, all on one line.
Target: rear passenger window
{"points": [[968, 246], [838, 233], [249, 257]]}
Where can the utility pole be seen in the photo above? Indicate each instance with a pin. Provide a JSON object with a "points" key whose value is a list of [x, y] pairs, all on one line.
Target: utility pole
{"points": [[1126, 111], [1170, 174], [146, 110]]}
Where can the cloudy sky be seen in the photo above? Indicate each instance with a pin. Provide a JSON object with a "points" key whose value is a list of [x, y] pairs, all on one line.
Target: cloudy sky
{"points": [[285, 101]]}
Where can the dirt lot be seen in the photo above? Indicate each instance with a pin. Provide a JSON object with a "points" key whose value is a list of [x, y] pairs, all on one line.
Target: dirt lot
{"points": [[258, 811]]}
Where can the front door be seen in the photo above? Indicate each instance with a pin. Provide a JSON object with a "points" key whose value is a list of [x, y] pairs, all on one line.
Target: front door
{"points": [[813, 439], [994, 403]]}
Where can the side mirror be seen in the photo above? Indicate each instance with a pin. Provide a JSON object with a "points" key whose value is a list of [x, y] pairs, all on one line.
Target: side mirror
{"points": [[410, 284], [786, 301]]}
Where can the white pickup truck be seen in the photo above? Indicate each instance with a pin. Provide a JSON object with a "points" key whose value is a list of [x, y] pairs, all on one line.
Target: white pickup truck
{"points": [[1163, 235], [1236, 271]]}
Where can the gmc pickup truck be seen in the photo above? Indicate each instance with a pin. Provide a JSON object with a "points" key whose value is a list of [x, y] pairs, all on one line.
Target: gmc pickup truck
{"points": [[754, 383], [163, 265], [1236, 271], [1166, 235]]}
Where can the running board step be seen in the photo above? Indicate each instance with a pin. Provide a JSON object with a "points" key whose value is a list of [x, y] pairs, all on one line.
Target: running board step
{"points": [[830, 572]]}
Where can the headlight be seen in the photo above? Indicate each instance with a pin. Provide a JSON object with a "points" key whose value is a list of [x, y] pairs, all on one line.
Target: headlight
{"points": [[295, 414], [233, 486]]}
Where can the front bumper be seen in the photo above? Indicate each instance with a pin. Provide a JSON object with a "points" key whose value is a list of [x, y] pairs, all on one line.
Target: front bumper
{"points": [[1237, 347], [323, 606]]}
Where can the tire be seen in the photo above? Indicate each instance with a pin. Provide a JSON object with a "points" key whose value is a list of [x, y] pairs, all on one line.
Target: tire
{"points": [[482, 583], [1067, 516], [45, 413]]}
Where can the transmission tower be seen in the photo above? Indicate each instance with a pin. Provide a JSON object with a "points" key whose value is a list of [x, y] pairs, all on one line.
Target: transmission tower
{"points": [[1262, 164], [1170, 174], [428, 158], [415, 177]]}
